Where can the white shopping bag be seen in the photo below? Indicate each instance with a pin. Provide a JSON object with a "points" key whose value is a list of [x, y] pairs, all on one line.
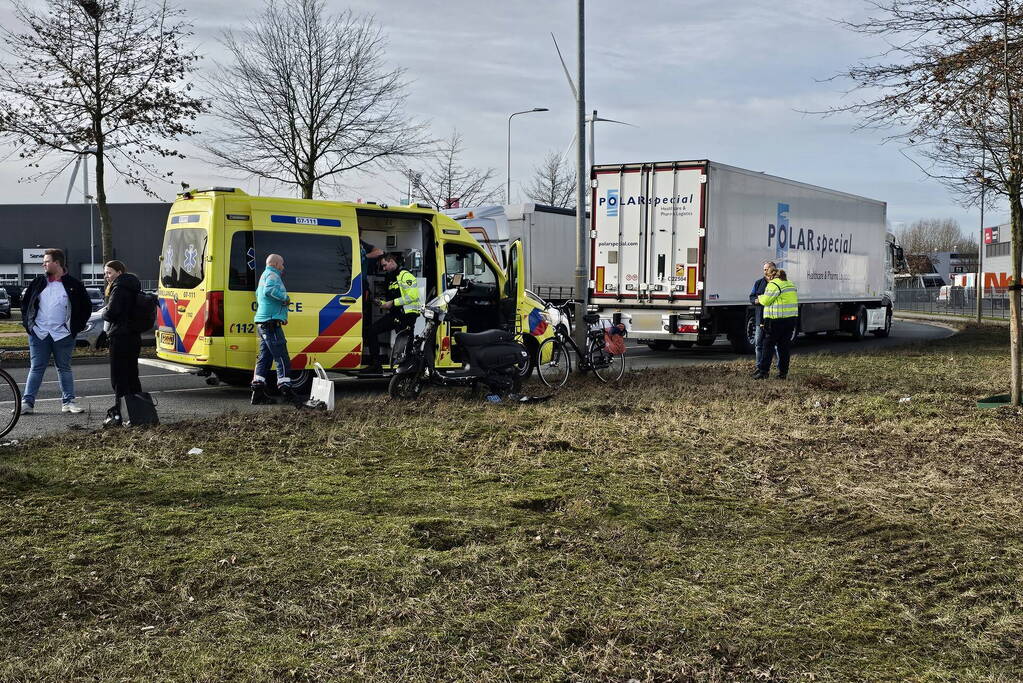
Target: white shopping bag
{"points": [[323, 389]]}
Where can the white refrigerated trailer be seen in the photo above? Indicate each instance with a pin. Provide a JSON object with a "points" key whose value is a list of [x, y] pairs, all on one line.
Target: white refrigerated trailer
{"points": [[676, 247]]}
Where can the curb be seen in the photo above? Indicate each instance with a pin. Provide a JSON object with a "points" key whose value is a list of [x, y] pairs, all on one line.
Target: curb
{"points": [[939, 319], [20, 363]]}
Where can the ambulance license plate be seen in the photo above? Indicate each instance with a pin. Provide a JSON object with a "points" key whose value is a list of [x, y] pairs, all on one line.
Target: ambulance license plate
{"points": [[167, 339]]}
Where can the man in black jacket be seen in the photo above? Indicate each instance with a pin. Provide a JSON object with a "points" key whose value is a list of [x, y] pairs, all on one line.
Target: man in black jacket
{"points": [[54, 310], [758, 311], [125, 342]]}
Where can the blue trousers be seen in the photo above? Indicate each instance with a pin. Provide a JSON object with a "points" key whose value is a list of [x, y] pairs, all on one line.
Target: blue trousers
{"points": [[40, 351], [273, 346]]}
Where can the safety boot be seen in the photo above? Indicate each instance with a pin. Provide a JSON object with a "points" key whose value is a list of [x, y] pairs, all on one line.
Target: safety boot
{"points": [[259, 395]]}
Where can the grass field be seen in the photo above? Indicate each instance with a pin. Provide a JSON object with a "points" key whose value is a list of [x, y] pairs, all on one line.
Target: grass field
{"points": [[861, 521]]}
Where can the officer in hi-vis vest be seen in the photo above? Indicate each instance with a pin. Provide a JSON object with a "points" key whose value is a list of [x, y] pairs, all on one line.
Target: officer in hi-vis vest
{"points": [[401, 308], [781, 315]]}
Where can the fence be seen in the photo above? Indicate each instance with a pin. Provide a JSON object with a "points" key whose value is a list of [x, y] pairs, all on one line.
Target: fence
{"points": [[953, 301]]}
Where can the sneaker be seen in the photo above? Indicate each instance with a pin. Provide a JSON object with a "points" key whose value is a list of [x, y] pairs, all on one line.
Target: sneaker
{"points": [[27, 408], [71, 407]]}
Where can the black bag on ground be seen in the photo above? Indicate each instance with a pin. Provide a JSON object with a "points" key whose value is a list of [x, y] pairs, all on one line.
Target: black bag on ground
{"points": [[141, 409], [143, 316]]}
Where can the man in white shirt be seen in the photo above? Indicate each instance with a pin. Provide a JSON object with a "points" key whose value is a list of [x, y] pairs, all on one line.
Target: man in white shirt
{"points": [[55, 309]]}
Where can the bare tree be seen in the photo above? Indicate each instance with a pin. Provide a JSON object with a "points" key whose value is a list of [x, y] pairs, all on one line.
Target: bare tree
{"points": [[101, 80], [936, 234], [446, 182], [553, 182], [308, 98], [951, 87]]}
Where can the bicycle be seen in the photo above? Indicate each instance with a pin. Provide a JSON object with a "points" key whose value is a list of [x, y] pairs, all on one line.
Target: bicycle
{"points": [[554, 363], [10, 401]]}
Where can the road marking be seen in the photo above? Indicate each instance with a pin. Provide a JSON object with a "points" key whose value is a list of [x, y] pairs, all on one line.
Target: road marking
{"points": [[164, 391], [164, 365], [106, 379]]}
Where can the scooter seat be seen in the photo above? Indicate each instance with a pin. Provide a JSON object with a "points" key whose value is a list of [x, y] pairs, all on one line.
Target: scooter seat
{"points": [[483, 338]]}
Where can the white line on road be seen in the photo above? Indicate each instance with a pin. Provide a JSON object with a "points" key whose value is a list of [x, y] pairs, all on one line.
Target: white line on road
{"points": [[106, 379], [164, 391]]}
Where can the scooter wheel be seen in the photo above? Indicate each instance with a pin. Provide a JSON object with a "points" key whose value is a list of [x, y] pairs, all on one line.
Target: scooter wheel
{"points": [[407, 386]]}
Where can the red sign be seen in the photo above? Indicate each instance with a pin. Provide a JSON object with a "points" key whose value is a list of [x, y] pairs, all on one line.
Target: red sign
{"points": [[452, 203], [990, 235]]}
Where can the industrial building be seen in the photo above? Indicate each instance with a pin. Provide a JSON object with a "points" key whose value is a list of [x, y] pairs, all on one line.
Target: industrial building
{"points": [[26, 230]]}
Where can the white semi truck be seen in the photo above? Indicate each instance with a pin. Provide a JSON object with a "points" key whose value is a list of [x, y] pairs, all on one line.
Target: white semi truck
{"points": [[676, 247], [549, 231]]}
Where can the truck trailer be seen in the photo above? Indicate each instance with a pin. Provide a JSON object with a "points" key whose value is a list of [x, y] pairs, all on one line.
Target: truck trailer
{"points": [[676, 247], [550, 232]]}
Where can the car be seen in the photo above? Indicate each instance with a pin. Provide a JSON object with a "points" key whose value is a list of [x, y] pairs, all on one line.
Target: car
{"points": [[94, 337], [96, 297], [14, 294], [5, 304]]}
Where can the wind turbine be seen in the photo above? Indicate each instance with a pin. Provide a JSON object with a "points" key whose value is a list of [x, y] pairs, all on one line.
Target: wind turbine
{"points": [[592, 119]]}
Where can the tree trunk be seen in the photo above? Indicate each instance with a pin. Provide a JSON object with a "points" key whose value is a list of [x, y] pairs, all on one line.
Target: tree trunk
{"points": [[106, 226], [1015, 317]]}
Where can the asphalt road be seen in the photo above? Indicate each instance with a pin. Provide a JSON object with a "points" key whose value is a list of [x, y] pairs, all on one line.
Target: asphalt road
{"points": [[183, 396]]}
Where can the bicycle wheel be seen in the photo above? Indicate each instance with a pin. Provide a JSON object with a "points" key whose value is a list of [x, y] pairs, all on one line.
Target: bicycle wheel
{"points": [[606, 367], [553, 363], [10, 403]]}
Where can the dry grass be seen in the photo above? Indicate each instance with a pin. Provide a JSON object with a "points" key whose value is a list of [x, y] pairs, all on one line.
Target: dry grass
{"points": [[688, 525]]}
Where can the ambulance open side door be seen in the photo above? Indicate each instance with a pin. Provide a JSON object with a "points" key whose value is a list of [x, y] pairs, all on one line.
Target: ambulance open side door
{"points": [[514, 292]]}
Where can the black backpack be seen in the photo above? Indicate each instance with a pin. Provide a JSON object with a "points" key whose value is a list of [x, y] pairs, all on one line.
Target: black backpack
{"points": [[143, 317]]}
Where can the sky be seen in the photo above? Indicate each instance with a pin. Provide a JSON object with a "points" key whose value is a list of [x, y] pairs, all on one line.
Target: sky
{"points": [[726, 80]]}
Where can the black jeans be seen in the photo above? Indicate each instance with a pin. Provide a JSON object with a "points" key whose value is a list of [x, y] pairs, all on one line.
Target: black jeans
{"points": [[124, 364], [391, 320], [777, 337]]}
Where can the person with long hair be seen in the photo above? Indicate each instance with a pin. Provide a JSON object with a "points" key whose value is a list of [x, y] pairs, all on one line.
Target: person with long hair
{"points": [[124, 341], [781, 315]]}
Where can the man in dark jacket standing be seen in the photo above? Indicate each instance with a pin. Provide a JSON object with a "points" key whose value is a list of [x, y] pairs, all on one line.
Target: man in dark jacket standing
{"points": [[125, 343], [758, 311], [54, 310]]}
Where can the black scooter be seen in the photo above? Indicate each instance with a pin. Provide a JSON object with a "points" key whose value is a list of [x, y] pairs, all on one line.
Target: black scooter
{"points": [[494, 357]]}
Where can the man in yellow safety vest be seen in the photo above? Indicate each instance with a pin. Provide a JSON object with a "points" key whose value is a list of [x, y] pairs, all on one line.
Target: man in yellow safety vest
{"points": [[781, 315]]}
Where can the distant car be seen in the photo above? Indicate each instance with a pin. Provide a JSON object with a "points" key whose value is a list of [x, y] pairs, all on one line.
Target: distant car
{"points": [[94, 337], [5, 304], [14, 294], [96, 297]]}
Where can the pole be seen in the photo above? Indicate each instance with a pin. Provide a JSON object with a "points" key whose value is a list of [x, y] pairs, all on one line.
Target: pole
{"points": [[92, 244], [979, 285], [507, 191], [582, 177], [593, 124]]}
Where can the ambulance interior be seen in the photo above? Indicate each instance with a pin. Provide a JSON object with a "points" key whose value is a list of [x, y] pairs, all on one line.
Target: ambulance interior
{"points": [[475, 309]]}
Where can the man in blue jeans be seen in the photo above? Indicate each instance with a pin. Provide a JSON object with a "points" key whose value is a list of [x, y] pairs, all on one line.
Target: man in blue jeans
{"points": [[271, 315], [758, 312], [54, 310]]}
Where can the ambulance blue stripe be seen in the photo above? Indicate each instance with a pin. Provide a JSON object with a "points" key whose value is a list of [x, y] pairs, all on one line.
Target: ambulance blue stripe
{"points": [[335, 309], [294, 220]]}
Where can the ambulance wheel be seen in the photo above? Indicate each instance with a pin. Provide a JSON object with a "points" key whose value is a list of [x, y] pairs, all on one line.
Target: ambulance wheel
{"points": [[234, 378], [527, 364], [659, 344], [407, 386]]}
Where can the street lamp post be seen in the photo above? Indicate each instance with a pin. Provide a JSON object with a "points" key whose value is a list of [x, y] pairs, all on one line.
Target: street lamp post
{"points": [[507, 193]]}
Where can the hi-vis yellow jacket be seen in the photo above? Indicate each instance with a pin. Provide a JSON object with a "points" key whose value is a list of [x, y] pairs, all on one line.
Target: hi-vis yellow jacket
{"points": [[780, 300]]}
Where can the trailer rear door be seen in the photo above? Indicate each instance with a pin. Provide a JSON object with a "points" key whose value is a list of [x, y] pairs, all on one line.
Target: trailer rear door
{"points": [[648, 232]]}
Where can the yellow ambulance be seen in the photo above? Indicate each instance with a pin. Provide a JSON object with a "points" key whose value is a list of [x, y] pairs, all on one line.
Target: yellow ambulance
{"points": [[215, 248]]}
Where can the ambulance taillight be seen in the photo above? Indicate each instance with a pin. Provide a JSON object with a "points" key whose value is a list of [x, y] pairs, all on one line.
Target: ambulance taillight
{"points": [[214, 314]]}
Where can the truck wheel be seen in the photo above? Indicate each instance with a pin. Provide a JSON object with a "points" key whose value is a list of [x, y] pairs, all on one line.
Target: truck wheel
{"points": [[659, 344], [743, 337], [887, 324], [682, 344], [706, 341], [860, 331]]}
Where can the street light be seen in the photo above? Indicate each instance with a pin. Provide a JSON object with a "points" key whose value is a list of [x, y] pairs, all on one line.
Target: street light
{"points": [[507, 194]]}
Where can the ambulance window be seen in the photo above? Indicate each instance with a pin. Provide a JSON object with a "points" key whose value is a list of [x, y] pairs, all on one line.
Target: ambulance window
{"points": [[242, 275], [315, 264], [184, 255], [470, 263]]}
